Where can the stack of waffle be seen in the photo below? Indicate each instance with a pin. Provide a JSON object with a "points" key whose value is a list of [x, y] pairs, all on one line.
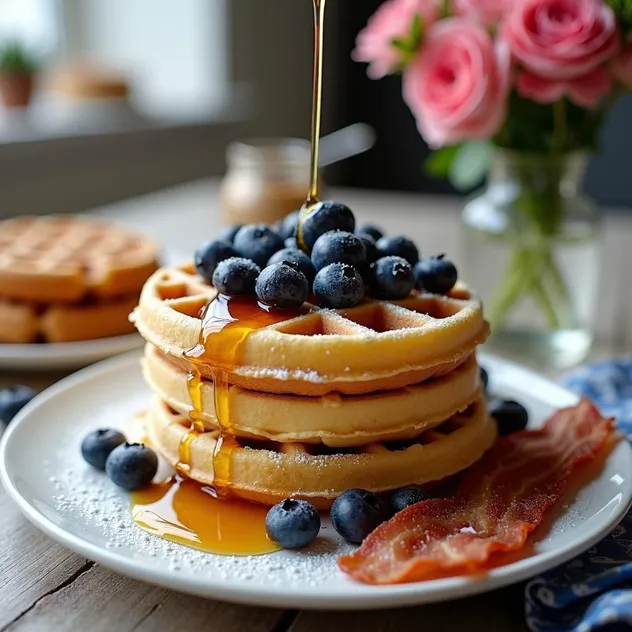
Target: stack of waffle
{"points": [[377, 396], [65, 278]]}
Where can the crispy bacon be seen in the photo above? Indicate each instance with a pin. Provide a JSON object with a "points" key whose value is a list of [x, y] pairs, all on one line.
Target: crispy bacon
{"points": [[501, 499]]}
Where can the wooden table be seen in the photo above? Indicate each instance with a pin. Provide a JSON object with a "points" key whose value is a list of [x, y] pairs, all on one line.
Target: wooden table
{"points": [[45, 587]]}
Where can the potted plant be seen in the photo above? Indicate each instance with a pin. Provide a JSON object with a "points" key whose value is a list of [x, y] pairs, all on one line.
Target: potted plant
{"points": [[17, 76], [515, 90]]}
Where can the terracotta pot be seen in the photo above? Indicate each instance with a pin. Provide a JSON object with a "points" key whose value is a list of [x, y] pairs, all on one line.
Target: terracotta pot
{"points": [[16, 89]]}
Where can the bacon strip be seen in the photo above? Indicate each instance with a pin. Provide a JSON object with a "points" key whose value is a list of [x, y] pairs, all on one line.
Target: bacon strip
{"points": [[502, 499]]}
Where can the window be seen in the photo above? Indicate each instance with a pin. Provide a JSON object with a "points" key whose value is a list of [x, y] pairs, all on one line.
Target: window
{"points": [[174, 53]]}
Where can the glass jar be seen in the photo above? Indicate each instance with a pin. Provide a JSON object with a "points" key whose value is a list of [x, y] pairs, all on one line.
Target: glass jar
{"points": [[265, 180], [531, 242]]}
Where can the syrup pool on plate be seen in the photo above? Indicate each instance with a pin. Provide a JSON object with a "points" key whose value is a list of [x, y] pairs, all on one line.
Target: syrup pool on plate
{"points": [[188, 513]]}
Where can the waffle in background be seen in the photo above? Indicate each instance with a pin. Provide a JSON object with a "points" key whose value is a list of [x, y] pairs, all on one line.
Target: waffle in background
{"points": [[69, 278]]}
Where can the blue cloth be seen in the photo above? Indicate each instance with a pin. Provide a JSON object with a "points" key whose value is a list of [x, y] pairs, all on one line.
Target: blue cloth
{"points": [[593, 592]]}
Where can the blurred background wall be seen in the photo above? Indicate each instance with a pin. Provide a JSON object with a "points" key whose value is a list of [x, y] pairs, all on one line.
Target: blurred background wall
{"points": [[198, 74]]}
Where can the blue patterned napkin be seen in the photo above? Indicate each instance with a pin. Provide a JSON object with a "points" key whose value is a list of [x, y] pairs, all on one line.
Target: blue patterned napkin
{"points": [[593, 592]]}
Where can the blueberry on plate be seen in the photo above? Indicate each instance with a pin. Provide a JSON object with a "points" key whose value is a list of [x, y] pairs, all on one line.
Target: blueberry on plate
{"points": [[509, 415], [392, 278], [297, 256], [357, 512], [398, 246], [97, 445], [436, 275], [338, 246], [236, 276], [228, 234], [293, 524], [289, 224], [209, 254], [13, 400], [372, 253], [407, 496], [257, 242], [339, 285], [371, 230], [131, 466], [282, 285], [484, 378], [324, 217]]}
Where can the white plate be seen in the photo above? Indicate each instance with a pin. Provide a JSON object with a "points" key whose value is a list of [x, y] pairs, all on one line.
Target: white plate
{"points": [[65, 355], [42, 470]]}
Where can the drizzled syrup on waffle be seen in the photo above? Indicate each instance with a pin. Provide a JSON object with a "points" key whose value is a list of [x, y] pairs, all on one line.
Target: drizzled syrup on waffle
{"points": [[226, 323]]}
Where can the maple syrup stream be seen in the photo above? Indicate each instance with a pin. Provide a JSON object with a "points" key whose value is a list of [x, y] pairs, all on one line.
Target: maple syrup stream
{"points": [[180, 509]]}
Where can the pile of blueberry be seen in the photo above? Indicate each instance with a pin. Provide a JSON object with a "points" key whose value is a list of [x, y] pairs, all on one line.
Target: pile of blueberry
{"points": [[338, 264], [128, 465]]}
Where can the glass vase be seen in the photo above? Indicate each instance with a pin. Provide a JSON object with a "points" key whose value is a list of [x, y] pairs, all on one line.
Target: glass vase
{"points": [[531, 246]]}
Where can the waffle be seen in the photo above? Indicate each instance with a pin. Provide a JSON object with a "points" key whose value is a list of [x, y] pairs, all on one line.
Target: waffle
{"points": [[67, 259], [24, 323], [335, 420], [266, 471], [376, 346]]}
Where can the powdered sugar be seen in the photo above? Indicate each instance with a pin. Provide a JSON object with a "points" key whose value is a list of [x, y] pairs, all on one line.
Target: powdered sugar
{"points": [[87, 497]]}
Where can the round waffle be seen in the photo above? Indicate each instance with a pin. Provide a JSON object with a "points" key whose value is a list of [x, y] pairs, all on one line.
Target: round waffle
{"points": [[67, 259], [266, 471], [334, 419], [376, 346]]}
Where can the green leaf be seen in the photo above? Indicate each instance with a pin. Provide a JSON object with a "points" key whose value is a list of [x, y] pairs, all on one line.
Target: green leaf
{"points": [[470, 165], [439, 162], [417, 29], [402, 45]]}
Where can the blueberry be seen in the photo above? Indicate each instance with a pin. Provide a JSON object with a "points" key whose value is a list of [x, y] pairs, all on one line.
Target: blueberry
{"points": [[372, 253], [96, 447], [484, 378], [209, 254], [407, 496], [236, 276], [228, 234], [131, 466], [324, 217], [338, 247], [289, 224], [398, 246], [392, 278], [339, 285], [297, 256], [12, 400], [509, 415], [257, 242], [371, 230], [357, 512], [282, 285], [293, 524], [291, 242], [436, 275]]}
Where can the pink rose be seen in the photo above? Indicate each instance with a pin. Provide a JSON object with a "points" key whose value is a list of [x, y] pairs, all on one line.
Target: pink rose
{"points": [[393, 20], [561, 39], [487, 11], [622, 67], [586, 91], [457, 86]]}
